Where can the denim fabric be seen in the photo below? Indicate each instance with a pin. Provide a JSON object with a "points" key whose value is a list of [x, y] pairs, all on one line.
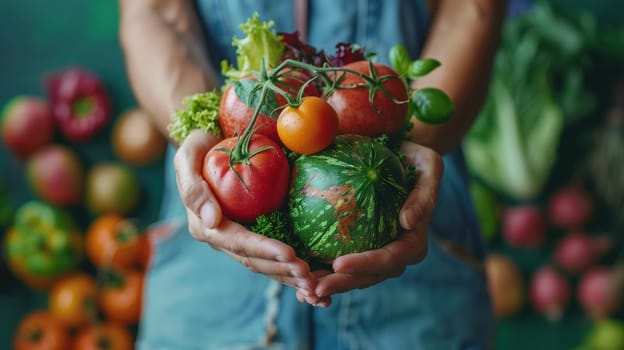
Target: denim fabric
{"points": [[198, 298]]}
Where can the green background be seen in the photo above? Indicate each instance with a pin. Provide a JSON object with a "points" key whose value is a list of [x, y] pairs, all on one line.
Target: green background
{"points": [[39, 36]]}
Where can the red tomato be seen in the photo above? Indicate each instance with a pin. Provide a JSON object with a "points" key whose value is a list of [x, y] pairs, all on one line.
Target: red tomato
{"points": [[235, 115], [246, 191], [357, 115], [40, 330], [309, 127], [107, 335], [111, 240], [121, 296], [73, 299]]}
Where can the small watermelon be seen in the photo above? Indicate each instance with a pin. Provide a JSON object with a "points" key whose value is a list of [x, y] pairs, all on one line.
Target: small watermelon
{"points": [[346, 198]]}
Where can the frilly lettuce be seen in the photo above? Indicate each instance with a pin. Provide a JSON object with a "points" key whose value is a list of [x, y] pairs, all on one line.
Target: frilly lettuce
{"points": [[201, 112], [261, 43]]}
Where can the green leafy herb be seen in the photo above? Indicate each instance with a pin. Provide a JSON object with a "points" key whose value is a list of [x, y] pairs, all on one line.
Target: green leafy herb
{"points": [[201, 112], [277, 225], [432, 105], [261, 43], [539, 86]]}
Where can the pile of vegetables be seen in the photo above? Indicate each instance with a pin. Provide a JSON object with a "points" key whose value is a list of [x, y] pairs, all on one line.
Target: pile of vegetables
{"points": [[310, 149], [71, 239], [540, 84]]}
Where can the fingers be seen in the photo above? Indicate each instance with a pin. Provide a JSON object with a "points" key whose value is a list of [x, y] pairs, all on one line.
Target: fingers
{"points": [[423, 198], [194, 191], [371, 267]]}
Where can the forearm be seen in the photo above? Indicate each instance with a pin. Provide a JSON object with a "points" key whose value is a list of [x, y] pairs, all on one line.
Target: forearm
{"points": [[164, 55], [463, 37]]}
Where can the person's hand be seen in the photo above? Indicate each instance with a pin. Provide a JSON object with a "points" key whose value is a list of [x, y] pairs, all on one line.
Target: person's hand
{"points": [[364, 269], [207, 224]]}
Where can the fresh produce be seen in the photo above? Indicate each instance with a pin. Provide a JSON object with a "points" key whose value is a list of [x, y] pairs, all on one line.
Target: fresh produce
{"points": [[600, 291], [578, 251], [549, 292], [570, 207], [105, 335], [309, 127], [136, 139], [505, 284], [111, 188], [605, 334], [26, 124], [604, 164], [524, 225], [42, 244], [249, 179], [513, 144], [72, 299], [235, 113], [347, 198], [40, 330], [79, 103], [364, 108], [56, 175], [114, 241], [279, 72], [121, 295]]}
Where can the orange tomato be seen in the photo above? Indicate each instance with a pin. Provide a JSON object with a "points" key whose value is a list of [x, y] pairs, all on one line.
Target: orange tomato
{"points": [[309, 127], [112, 240], [73, 299], [115, 336], [121, 296], [40, 330]]}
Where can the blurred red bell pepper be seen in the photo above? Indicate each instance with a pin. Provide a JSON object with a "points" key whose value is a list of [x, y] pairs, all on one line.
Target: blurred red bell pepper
{"points": [[79, 103]]}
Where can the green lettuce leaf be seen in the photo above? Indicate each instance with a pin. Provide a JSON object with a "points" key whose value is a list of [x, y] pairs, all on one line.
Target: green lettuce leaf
{"points": [[261, 44]]}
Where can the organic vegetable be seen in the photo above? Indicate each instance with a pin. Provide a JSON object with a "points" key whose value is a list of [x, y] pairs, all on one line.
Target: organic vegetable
{"points": [[366, 109], [600, 291], [26, 125], [111, 188], [505, 285], [79, 103], [56, 175], [604, 165], [309, 127], [259, 46], [241, 97], [523, 225], [248, 178], [107, 335], [549, 292], [136, 139], [114, 241], [120, 296], [578, 251], [201, 112], [40, 330], [513, 144], [42, 245], [570, 207], [346, 198], [605, 334], [72, 300]]}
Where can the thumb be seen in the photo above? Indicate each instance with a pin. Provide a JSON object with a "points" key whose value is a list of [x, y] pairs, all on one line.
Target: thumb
{"points": [[194, 190]]}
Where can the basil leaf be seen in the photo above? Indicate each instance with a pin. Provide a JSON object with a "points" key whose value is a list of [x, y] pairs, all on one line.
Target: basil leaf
{"points": [[432, 105], [422, 67], [400, 60]]}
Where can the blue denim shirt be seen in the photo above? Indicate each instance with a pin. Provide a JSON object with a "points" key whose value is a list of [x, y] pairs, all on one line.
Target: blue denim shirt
{"points": [[198, 298]]}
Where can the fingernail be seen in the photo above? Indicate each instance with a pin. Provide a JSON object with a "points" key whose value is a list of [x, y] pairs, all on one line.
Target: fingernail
{"points": [[207, 215]]}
